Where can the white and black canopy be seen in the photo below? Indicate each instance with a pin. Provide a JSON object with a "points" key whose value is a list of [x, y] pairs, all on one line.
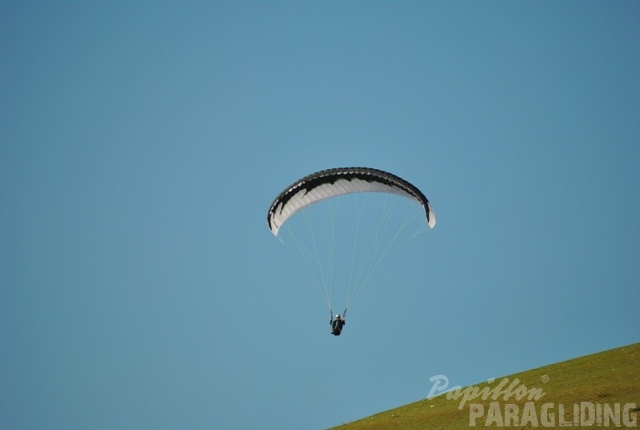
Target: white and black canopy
{"points": [[334, 182]]}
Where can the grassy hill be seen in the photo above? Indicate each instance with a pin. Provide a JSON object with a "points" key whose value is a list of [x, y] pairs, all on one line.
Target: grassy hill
{"points": [[599, 390]]}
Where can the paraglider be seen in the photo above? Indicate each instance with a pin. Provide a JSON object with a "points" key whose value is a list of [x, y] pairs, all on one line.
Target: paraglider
{"points": [[337, 324], [329, 185], [335, 182]]}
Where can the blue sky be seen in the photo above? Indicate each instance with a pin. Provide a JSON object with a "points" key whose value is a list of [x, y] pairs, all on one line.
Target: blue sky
{"points": [[141, 144]]}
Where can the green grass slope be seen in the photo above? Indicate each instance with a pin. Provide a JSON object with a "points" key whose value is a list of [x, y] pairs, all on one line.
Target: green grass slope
{"points": [[599, 390]]}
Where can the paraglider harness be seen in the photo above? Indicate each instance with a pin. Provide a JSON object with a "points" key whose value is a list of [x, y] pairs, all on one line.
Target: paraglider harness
{"points": [[336, 324]]}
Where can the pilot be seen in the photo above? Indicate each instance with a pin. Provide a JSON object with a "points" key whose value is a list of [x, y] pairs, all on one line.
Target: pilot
{"points": [[336, 325]]}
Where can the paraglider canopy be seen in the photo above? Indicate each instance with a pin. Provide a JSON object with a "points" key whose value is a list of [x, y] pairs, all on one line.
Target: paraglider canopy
{"points": [[334, 182]]}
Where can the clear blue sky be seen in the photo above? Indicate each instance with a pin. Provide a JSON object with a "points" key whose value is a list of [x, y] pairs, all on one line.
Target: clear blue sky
{"points": [[141, 144]]}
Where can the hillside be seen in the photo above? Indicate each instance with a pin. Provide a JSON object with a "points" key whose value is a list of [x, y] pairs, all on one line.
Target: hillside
{"points": [[598, 390]]}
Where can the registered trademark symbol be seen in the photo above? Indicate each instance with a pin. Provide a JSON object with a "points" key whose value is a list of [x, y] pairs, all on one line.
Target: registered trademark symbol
{"points": [[544, 378]]}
